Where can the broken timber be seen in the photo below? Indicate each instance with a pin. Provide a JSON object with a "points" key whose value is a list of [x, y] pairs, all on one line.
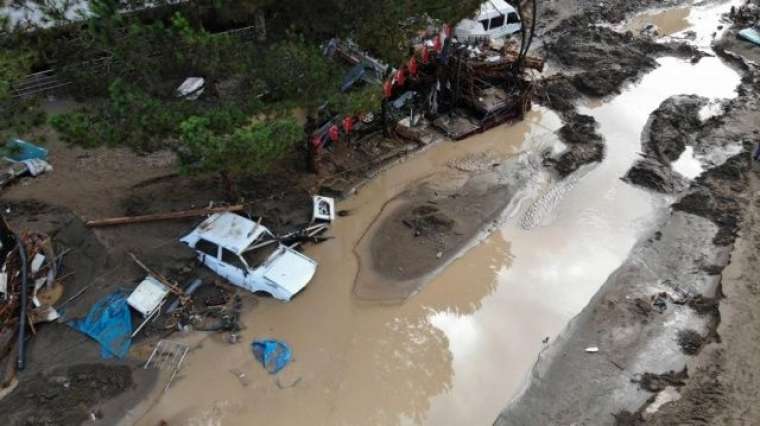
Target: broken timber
{"points": [[163, 216]]}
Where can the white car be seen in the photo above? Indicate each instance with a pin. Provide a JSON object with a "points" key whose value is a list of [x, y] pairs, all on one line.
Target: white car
{"points": [[248, 255], [494, 20]]}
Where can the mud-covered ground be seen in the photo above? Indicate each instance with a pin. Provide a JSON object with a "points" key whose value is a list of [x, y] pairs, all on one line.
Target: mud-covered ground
{"points": [[674, 325], [425, 227], [94, 392], [593, 60], [106, 182]]}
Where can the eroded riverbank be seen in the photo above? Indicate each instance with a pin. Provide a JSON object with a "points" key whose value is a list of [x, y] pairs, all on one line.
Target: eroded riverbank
{"points": [[659, 310]]}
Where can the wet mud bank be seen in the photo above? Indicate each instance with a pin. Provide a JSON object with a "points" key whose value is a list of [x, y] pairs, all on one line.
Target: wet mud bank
{"points": [[722, 387], [74, 395], [435, 220], [671, 127], [596, 62], [673, 325], [653, 312]]}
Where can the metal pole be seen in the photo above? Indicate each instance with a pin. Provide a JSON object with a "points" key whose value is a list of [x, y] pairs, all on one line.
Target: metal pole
{"points": [[21, 361]]}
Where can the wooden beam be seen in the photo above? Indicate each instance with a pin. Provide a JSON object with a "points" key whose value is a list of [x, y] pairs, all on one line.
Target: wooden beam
{"points": [[163, 216]]}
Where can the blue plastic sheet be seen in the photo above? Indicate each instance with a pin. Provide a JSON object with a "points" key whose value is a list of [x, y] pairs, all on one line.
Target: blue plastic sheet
{"points": [[109, 322], [274, 355], [25, 151]]}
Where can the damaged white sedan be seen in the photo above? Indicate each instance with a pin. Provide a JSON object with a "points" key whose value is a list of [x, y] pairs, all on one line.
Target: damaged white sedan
{"points": [[248, 255]]}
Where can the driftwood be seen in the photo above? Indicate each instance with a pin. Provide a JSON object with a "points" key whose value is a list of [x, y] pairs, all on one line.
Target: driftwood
{"points": [[163, 216]]}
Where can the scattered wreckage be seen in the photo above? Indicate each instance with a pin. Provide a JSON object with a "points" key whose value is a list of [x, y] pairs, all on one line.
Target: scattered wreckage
{"points": [[29, 286], [747, 17], [461, 88], [20, 158], [460, 81], [250, 256], [465, 80], [192, 88]]}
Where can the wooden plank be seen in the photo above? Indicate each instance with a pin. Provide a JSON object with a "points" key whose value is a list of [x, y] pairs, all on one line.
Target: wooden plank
{"points": [[163, 216]]}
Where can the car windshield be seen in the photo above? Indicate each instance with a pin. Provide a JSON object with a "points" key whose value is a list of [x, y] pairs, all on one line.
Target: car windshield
{"points": [[257, 257]]}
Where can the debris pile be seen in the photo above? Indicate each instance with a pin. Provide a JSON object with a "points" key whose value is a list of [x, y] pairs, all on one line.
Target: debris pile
{"points": [[745, 15], [29, 286], [461, 88], [20, 158]]}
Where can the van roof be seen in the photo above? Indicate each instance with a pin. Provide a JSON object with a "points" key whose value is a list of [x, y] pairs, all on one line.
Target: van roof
{"points": [[493, 8]]}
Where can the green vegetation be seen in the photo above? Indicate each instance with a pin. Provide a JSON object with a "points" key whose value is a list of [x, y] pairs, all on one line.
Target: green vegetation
{"points": [[126, 67], [248, 149], [298, 72], [16, 117]]}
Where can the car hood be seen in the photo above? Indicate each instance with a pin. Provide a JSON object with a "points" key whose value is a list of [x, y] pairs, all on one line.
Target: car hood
{"points": [[290, 269]]}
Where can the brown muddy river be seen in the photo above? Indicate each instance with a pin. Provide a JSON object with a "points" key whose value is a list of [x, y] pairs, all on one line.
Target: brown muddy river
{"points": [[459, 350]]}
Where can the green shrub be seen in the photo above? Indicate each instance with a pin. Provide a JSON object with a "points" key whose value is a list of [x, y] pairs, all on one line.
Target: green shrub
{"points": [[77, 128], [243, 151], [20, 116]]}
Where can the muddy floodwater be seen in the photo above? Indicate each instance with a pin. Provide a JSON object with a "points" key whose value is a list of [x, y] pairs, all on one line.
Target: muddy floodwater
{"points": [[459, 350]]}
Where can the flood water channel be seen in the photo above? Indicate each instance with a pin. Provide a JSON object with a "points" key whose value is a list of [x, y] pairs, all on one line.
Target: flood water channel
{"points": [[458, 351]]}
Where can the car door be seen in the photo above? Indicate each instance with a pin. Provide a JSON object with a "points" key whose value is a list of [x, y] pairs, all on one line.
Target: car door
{"points": [[208, 253], [234, 269]]}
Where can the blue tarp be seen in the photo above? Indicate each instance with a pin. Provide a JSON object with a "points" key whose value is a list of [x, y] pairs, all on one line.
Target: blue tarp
{"points": [[109, 322], [22, 150], [274, 355], [751, 35]]}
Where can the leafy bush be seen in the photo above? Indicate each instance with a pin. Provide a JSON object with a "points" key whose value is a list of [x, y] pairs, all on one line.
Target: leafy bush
{"points": [[13, 66], [77, 128], [294, 70], [248, 150], [358, 101], [20, 116]]}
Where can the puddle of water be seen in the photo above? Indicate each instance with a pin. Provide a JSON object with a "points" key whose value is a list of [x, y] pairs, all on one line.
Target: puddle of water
{"points": [[703, 20], [668, 21], [458, 351], [687, 164]]}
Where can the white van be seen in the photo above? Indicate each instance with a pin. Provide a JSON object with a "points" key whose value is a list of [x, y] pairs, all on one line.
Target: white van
{"points": [[494, 20]]}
